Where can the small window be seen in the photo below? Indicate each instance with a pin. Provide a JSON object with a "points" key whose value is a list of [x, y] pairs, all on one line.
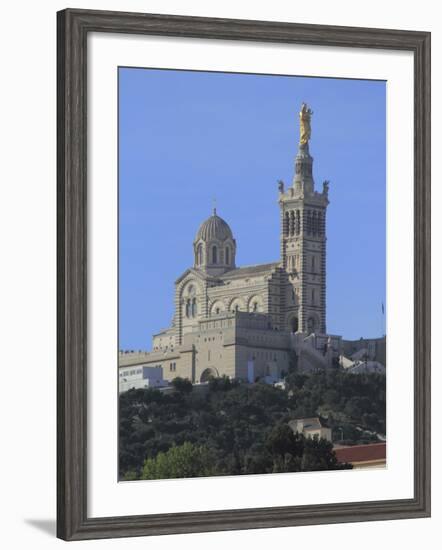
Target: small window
{"points": [[227, 255], [214, 255]]}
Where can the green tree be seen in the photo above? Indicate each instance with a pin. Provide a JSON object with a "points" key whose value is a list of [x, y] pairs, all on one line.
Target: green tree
{"points": [[281, 441], [318, 455], [130, 475], [222, 383], [186, 460], [182, 385]]}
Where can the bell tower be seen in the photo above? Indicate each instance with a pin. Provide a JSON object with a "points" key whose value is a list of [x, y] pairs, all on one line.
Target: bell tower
{"points": [[303, 240]]}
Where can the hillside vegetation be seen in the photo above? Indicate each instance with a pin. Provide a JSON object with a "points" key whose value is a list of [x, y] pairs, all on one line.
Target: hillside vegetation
{"points": [[228, 428]]}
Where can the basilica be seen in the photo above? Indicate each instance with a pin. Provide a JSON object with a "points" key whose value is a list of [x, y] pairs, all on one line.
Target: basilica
{"points": [[252, 322]]}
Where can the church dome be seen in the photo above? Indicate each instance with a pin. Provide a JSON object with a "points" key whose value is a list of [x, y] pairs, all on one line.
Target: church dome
{"points": [[214, 228]]}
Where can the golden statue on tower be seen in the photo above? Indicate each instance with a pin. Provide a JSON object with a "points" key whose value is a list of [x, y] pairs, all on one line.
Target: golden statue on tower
{"points": [[305, 129]]}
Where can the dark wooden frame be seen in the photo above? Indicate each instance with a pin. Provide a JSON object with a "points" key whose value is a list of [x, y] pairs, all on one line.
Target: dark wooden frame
{"points": [[73, 28]]}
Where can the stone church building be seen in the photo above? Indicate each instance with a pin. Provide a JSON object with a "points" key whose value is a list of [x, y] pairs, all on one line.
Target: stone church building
{"points": [[251, 322]]}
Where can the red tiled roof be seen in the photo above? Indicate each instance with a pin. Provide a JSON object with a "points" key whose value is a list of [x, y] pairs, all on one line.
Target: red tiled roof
{"points": [[361, 453]]}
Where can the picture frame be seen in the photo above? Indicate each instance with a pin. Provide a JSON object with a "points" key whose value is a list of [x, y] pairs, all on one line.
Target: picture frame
{"points": [[73, 28]]}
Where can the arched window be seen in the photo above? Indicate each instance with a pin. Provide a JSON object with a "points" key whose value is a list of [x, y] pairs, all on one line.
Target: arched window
{"points": [[194, 307], [188, 308], [309, 221], [285, 227], [255, 307], [319, 224], [214, 255], [199, 254], [227, 255], [294, 324], [311, 325], [314, 223]]}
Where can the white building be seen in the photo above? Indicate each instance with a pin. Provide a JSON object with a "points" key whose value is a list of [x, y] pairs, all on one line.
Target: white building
{"points": [[140, 376], [311, 427], [359, 367]]}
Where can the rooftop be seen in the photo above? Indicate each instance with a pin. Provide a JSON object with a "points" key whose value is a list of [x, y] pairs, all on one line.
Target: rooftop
{"points": [[362, 453], [214, 228], [249, 270]]}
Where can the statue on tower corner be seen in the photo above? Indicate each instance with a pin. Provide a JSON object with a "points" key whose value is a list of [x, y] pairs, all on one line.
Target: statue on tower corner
{"points": [[305, 130], [325, 187]]}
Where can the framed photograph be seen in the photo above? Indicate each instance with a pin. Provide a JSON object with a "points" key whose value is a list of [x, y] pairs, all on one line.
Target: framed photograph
{"points": [[243, 274]]}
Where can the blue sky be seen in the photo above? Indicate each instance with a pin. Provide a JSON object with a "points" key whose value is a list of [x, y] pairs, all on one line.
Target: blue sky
{"points": [[187, 137]]}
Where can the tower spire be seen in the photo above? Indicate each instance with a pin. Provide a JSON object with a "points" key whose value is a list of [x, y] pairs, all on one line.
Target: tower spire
{"points": [[303, 240]]}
